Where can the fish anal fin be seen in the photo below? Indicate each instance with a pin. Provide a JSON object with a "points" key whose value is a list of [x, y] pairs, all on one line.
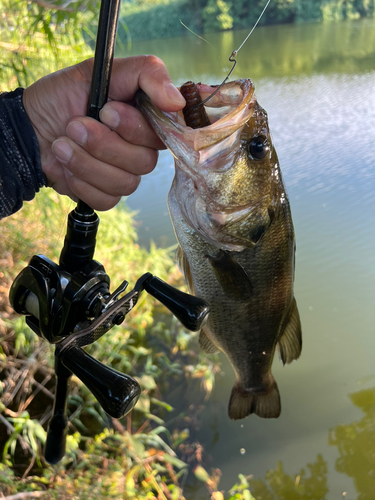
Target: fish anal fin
{"points": [[231, 275], [206, 344], [265, 403], [184, 267], [290, 343]]}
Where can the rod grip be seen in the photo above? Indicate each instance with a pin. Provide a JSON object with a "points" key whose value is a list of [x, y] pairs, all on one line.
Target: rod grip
{"points": [[54, 450], [191, 311], [117, 393]]}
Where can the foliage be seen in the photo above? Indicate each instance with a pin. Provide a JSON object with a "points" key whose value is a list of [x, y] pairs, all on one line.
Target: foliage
{"points": [[148, 19], [38, 37], [216, 16], [104, 457], [159, 19]]}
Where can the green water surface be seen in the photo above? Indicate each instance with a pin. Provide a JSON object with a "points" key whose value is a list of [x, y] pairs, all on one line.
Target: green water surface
{"points": [[317, 83]]}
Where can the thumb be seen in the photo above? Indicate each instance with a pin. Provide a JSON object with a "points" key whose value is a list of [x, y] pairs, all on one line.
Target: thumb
{"points": [[148, 73]]}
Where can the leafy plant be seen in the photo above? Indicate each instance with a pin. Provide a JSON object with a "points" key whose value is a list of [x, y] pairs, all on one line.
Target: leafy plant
{"points": [[31, 432], [40, 37], [104, 457]]}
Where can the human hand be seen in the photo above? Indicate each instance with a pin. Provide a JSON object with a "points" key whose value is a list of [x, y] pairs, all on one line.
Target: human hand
{"points": [[83, 158]]}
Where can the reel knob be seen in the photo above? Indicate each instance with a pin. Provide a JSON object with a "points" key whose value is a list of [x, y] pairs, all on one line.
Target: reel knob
{"points": [[117, 393], [191, 311]]}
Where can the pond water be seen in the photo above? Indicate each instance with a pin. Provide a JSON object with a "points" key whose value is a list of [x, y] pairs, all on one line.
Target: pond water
{"points": [[317, 83]]}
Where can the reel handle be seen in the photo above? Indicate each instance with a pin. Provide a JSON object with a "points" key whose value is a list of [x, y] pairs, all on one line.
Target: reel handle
{"points": [[191, 311], [117, 393]]}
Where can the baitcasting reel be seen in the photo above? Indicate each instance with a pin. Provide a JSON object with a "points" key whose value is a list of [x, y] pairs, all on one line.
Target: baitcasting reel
{"points": [[70, 305]]}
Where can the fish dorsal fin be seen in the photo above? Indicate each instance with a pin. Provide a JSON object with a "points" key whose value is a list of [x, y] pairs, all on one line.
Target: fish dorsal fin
{"points": [[206, 344], [231, 275], [290, 343], [184, 267]]}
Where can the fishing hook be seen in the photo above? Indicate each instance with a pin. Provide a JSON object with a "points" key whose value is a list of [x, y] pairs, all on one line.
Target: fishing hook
{"points": [[234, 54]]}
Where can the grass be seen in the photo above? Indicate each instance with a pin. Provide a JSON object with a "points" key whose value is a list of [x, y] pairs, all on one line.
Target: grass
{"points": [[147, 454]]}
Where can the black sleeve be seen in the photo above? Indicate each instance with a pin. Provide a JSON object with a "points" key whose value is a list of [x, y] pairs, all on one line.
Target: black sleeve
{"points": [[21, 174]]}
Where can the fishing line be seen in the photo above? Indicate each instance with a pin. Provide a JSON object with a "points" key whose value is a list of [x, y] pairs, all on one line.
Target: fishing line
{"points": [[191, 31], [234, 54]]}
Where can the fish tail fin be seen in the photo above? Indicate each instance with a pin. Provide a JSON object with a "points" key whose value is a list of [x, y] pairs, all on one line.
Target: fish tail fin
{"points": [[265, 403]]}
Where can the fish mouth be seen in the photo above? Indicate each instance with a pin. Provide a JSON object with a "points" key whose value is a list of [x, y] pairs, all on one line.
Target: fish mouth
{"points": [[204, 156], [228, 110]]}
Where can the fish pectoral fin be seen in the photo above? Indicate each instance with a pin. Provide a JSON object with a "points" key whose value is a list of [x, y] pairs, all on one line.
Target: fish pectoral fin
{"points": [[265, 403], [206, 344], [184, 267], [231, 276], [290, 343], [180, 259]]}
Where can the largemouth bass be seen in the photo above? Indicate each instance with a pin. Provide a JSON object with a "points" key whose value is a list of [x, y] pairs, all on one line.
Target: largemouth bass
{"points": [[232, 219]]}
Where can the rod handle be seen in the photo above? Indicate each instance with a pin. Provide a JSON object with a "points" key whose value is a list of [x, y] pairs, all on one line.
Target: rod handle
{"points": [[54, 449]]}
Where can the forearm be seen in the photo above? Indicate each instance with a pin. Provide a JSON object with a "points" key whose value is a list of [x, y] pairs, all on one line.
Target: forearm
{"points": [[21, 175]]}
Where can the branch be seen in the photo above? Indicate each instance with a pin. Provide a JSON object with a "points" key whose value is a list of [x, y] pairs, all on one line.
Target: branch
{"points": [[48, 5], [27, 494]]}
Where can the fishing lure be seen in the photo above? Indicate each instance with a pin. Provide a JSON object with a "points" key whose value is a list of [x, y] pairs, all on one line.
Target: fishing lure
{"points": [[195, 115]]}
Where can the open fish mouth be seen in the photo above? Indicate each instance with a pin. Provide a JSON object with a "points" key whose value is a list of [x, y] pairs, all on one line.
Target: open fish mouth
{"points": [[206, 159], [228, 110]]}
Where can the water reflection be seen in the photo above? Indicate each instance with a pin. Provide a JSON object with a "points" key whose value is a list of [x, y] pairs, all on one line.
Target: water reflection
{"points": [[356, 445], [310, 484]]}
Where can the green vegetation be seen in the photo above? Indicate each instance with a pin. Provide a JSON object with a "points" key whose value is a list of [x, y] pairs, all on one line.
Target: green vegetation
{"points": [[38, 37], [135, 457], [148, 19], [149, 453]]}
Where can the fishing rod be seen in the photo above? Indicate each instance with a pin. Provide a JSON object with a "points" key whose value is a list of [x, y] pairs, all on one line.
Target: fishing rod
{"points": [[70, 304]]}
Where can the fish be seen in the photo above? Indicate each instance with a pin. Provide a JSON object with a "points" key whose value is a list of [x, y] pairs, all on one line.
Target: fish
{"points": [[236, 241]]}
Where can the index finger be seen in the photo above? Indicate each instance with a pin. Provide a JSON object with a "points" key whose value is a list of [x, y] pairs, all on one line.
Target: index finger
{"points": [[148, 73]]}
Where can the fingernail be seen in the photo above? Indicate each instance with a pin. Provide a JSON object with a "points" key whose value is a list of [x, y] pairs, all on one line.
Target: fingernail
{"points": [[174, 94], [62, 150], [67, 173], [109, 117], [77, 132]]}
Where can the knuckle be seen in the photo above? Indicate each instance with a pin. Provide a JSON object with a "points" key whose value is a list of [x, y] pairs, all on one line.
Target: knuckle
{"points": [[106, 203], [152, 60], [150, 161], [130, 185], [154, 63]]}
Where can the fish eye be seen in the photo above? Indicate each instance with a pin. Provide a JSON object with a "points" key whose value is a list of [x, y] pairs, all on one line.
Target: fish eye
{"points": [[258, 147]]}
